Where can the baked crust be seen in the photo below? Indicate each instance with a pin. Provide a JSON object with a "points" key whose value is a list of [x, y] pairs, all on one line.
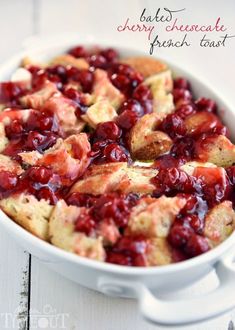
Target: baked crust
{"points": [[146, 142], [147, 66], [28, 212], [156, 219]]}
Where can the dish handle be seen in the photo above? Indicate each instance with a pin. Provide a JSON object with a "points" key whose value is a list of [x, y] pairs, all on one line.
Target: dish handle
{"points": [[180, 312]]}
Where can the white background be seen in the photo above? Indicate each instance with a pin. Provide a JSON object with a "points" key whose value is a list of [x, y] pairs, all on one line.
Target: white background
{"points": [[26, 284]]}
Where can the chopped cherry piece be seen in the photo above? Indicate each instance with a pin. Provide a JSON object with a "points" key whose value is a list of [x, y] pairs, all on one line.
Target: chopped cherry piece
{"points": [[231, 174], [108, 130], [80, 110], [196, 245], [208, 105], [181, 83], [8, 180], [115, 153], [127, 119], [85, 223], [74, 95], [78, 51], [40, 142]]}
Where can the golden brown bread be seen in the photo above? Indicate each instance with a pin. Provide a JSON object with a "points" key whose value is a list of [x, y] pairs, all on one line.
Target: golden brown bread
{"points": [[146, 65], [28, 212], [155, 219], [146, 142]]}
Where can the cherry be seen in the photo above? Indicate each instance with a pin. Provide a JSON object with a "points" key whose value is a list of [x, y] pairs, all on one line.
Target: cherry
{"points": [[110, 54], [181, 83], [40, 174], [14, 129], [184, 148], [127, 119], [115, 153], [185, 110], [182, 95], [47, 194], [8, 180], [168, 161], [174, 126], [98, 61], [179, 235], [118, 258], [78, 51], [134, 106], [108, 130], [85, 223], [196, 245], [80, 200], [121, 81], [74, 95], [142, 93], [9, 91], [204, 104]]}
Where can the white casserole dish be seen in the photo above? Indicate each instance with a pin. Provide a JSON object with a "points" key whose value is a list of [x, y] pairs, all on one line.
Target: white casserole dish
{"points": [[140, 282]]}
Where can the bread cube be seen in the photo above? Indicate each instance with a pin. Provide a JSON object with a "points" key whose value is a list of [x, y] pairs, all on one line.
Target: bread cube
{"points": [[146, 142], [156, 219], [219, 222], [37, 99], [104, 89], [147, 66], [28, 212], [217, 149], [65, 109], [99, 112], [63, 235], [159, 252], [8, 164], [66, 59]]}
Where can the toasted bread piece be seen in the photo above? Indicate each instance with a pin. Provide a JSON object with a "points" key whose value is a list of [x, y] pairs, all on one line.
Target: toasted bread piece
{"points": [[7, 116], [159, 252], [28, 212], [69, 158], [63, 235], [30, 157], [101, 179], [156, 219], [66, 59], [190, 167], [161, 86], [218, 150], [22, 75], [137, 180], [3, 139], [103, 88], [163, 79], [37, 99], [219, 222], [99, 112], [147, 66], [146, 143], [65, 109], [8, 164]]}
